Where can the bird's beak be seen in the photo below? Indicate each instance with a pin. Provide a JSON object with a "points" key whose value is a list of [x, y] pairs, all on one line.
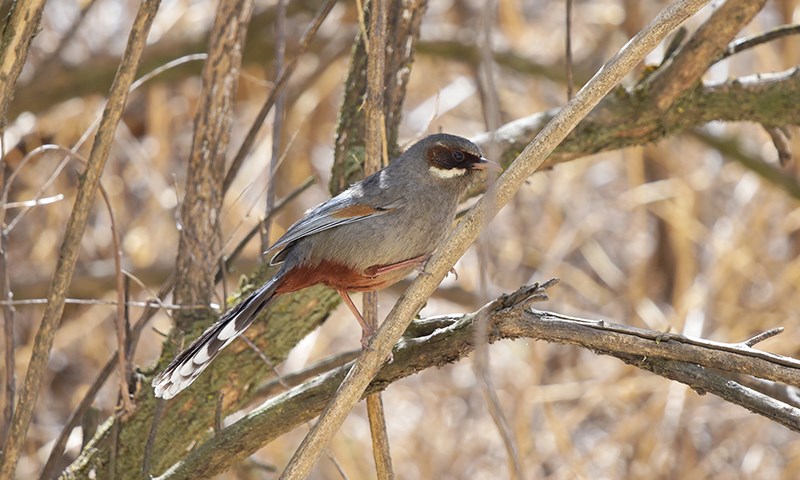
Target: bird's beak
{"points": [[486, 164]]}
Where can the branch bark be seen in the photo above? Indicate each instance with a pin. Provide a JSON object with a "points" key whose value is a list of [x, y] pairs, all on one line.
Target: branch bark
{"points": [[402, 30], [624, 119], [18, 33], [375, 146], [199, 246], [438, 341], [693, 58]]}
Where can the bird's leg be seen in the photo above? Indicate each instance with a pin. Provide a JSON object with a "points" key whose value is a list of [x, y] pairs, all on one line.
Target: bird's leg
{"points": [[376, 270], [366, 331]]}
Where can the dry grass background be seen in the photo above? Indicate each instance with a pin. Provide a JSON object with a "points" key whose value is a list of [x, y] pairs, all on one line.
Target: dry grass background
{"points": [[672, 236]]}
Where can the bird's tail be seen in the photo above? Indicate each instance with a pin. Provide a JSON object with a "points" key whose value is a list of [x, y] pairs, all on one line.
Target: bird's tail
{"points": [[185, 368]]}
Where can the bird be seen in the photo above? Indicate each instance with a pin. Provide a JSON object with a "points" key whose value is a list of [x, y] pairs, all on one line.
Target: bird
{"points": [[367, 238]]}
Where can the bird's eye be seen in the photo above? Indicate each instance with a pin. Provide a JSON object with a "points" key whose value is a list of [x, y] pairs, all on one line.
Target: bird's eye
{"points": [[459, 156]]}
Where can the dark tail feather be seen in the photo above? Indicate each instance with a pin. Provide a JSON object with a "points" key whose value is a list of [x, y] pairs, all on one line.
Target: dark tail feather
{"points": [[185, 368]]}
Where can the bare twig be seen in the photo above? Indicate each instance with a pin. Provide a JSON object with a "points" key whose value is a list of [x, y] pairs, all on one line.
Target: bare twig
{"points": [[286, 382], [74, 231], [440, 263], [568, 48], [280, 83], [491, 114], [277, 122], [695, 56], [86, 134], [125, 370], [9, 390], [151, 437], [18, 31], [752, 341], [783, 146], [276, 208], [375, 145], [752, 41]]}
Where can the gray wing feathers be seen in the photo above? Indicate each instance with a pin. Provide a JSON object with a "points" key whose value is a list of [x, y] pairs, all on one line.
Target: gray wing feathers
{"points": [[321, 218]]}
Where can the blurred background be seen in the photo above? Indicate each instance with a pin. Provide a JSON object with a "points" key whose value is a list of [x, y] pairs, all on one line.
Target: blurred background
{"points": [[676, 236]]}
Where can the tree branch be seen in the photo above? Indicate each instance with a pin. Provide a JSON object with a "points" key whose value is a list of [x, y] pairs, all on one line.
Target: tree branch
{"points": [[438, 341], [624, 119], [694, 57], [19, 31], [199, 245]]}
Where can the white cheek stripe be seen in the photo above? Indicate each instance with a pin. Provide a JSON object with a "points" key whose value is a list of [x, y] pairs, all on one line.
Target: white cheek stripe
{"points": [[447, 172]]}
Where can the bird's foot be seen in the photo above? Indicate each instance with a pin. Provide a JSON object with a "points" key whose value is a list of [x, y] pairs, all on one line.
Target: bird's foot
{"points": [[366, 338], [424, 263]]}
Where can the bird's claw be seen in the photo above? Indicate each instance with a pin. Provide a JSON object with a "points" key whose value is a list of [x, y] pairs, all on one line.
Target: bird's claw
{"points": [[424, 263]]}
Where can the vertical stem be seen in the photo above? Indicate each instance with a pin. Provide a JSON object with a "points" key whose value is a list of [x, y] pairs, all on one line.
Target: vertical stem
{"points": [[374, 161], [18, 31], [8, 331], [277, 122], [568, 46], [491, 115]]}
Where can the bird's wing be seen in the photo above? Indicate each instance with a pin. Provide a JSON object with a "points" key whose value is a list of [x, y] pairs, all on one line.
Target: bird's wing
{"points": [[340, 210]]}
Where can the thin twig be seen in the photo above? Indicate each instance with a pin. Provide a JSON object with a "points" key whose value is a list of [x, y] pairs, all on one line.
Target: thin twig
{"points": [[491, 114], [695, 56], [286, 382], [125, 369], [253, 231], [763, 336], [375, 140], [151, 437], [782, 144], [751, 41], [9, 390], [280, 83], [277, 122], [264, 358], [84, 137], [442, 260], [568, 47]]}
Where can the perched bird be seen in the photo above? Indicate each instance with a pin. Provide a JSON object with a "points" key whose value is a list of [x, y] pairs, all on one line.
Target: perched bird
{"points": [[366, 238]]}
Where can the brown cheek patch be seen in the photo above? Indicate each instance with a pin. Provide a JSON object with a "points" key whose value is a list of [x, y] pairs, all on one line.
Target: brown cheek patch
{"points": [[436, 156], [354, 211]]}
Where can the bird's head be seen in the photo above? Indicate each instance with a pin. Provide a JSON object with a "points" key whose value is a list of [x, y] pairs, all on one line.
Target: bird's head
{"points": [[453, 157]]}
